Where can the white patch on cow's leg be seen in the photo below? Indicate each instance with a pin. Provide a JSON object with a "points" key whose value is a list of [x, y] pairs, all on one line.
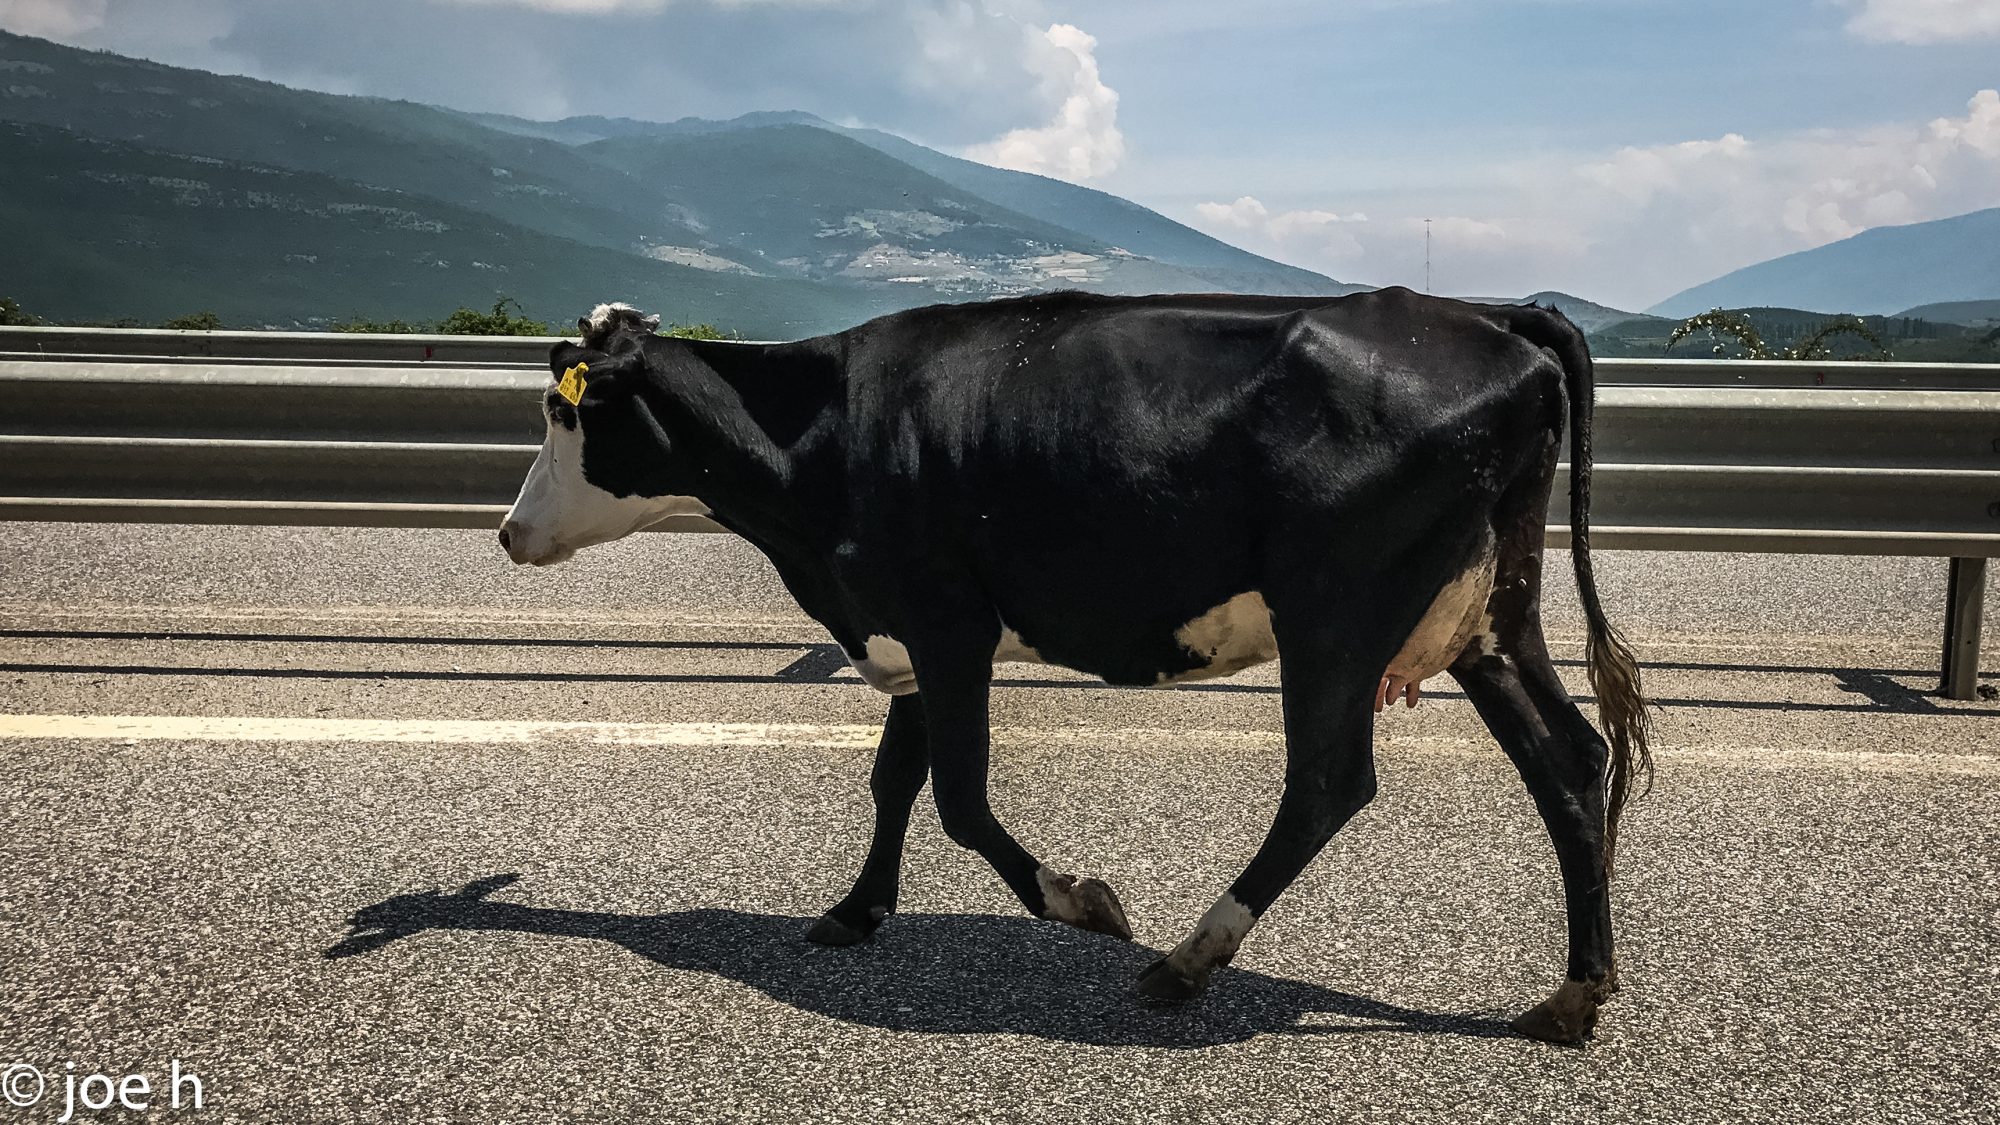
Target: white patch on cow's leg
{"points": [[886, 666], [1183, 973], [1487, 640], [1087, 904]]}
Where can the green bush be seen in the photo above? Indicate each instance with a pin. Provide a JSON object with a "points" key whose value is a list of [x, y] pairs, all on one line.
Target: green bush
{"points": [[1721, 323], [696, 332], [12, 313], [467, 322], [196, 322], [358, 324]]}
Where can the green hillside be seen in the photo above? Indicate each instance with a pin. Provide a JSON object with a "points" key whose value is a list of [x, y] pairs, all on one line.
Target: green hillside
{"points": [[1180, 257], [694, 211], [414, 148], [263, 246], [1972, 314], [1908, 338], [810, 200], [1111, 220]]}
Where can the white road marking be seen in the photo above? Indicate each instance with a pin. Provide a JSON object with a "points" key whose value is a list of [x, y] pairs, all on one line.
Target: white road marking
{"points": [[863, 736], [220, 728]]}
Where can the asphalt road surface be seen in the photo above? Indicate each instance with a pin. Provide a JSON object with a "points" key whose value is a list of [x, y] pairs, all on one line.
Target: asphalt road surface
{"points": [[368, 826]]}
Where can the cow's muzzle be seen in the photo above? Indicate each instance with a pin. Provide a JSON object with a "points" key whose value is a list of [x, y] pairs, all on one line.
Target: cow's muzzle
{"points": [[520, 545]]}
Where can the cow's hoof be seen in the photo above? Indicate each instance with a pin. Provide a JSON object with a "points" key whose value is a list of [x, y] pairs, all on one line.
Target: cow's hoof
{"points": [[1101, 911], [1087, 904], [1163, 983], [830, 930], [1569, 1018]]}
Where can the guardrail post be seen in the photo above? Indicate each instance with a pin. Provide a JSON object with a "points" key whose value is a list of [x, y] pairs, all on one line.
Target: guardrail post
{"points": [[1964, 601]]}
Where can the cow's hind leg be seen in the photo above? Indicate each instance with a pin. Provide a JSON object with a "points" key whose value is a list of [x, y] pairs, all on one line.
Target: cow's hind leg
{"points": [[955, 691], [1562, 759], [1329, 775], [902, 761]]}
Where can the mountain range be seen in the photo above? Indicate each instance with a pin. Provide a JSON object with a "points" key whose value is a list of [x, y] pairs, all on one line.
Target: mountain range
{"points": [[146, 191], [1880, 271], [138, 191]]}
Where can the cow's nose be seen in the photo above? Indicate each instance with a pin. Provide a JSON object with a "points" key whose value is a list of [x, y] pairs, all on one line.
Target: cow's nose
{"points": [[506, 539]]}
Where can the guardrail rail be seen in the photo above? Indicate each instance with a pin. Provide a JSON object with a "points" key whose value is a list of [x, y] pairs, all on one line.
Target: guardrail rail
{"points": [[139, 425]]}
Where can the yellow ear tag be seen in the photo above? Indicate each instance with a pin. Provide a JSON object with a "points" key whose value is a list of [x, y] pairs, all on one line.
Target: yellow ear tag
{"points": [[572, 384]]}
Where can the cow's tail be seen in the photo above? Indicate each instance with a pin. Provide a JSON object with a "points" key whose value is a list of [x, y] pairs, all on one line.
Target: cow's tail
{"points": [[1614, 671]]}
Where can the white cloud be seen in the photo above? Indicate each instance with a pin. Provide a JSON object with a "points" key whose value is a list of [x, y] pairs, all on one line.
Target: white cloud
{"points": [[1082, 141], [1639, 174], [1249, 213], [605, 7], [49, 18], [1634, 225], [1326, 236], [998, 74], [1926, 21]]}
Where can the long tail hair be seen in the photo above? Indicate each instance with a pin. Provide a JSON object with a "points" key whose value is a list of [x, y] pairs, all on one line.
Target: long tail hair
{"points": [[1614, 671]]}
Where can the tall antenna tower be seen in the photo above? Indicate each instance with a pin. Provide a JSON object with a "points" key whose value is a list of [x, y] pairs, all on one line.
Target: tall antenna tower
{"points": [[1427, 255]]}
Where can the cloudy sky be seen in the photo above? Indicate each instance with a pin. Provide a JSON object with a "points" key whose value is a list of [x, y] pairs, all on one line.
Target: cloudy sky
{"points": [[1618, 149]]}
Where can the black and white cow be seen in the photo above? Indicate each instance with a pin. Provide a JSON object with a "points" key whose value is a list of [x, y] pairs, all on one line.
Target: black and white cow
{"points": [[1150, 490]]}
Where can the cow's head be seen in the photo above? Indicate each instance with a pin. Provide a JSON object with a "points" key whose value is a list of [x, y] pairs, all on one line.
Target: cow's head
{"points": [[605, 469], [610, 322]]}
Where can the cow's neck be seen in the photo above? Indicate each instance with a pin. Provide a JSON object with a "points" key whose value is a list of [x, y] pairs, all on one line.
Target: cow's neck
{"points": [[740, 415]]}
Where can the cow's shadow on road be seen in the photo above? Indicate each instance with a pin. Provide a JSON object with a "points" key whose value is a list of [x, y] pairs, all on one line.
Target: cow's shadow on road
{"points": [[961, 973]]}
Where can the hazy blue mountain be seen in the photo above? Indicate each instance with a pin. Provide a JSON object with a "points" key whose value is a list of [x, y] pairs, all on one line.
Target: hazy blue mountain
{"points": [[1587, 315], [1877, 271], [170, 234]]}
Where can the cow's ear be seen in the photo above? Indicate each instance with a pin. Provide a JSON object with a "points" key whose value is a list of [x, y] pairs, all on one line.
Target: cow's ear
{"points": [[610, 376], [652, 322], [566, 355]]}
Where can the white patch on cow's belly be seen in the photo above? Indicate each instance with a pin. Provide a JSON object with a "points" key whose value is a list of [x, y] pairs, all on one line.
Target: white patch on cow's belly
{"points": [[1012, 649], [887, 666], [1231, 637]]}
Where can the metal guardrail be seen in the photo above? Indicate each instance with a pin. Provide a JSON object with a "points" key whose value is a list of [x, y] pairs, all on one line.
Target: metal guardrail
{"points": [[437, 431]]}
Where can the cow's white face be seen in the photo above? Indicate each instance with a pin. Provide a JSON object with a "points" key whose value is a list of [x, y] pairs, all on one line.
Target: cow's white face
{"points": [[560, 511]]}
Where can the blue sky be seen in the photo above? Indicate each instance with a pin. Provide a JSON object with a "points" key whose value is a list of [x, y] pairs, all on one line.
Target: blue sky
{"points": [[1618, 149]]}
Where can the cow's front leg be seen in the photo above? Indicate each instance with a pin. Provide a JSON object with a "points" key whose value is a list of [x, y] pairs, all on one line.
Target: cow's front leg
{"points": [[902, 761], [1329, 776], [954, 688]]}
